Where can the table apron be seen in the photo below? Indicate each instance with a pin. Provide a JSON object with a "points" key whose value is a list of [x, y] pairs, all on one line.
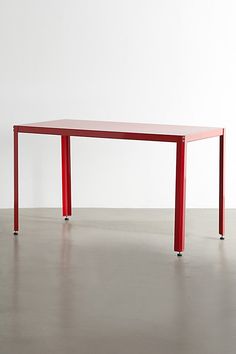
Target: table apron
{"points": [[112, 135]]}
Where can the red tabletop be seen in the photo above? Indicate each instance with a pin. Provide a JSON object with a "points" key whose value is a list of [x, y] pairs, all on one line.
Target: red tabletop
{"points": [[120, 130]]}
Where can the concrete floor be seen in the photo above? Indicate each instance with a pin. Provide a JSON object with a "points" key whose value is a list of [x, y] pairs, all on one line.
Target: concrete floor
{"points": [[108, 282]]}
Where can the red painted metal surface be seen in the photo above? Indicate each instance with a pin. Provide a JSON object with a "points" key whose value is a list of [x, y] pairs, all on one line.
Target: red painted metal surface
{"points": [[180, 195], [180, 135], [221, 188], [117, 130], [66, 175], [16, 191]]}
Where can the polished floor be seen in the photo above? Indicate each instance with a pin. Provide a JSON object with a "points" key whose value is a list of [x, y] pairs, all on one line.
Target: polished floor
{"points": [[108, 282]]}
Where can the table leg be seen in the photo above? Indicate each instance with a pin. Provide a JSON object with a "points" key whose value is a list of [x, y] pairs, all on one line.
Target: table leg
{"points": [[180, 194], [16, 188], [221, 190], [66, 176]]}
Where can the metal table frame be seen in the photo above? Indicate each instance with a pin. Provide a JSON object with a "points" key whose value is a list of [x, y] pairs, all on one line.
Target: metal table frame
{"points": [[180, 135]]}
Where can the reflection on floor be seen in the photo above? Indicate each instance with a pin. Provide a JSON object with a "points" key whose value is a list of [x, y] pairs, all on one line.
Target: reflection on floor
{"points": [[108, 282]]}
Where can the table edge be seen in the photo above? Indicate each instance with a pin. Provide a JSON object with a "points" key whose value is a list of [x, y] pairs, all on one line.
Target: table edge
{"points": [[119, 135]]}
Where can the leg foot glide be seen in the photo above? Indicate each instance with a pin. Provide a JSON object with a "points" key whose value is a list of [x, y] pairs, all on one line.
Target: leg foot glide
{"points": [[66, 218], [222, 237], [179, 254], [15, 233]]}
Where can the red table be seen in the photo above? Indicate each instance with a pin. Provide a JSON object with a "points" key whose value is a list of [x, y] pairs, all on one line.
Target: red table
{"points": [[180, 135]]}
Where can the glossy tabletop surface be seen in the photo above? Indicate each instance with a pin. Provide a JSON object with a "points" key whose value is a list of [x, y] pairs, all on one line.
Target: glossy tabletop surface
{"points": [[120, 130]]}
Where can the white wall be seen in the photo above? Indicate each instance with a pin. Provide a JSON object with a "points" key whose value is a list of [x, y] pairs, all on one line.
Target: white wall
{"points": [[163, 61]]}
